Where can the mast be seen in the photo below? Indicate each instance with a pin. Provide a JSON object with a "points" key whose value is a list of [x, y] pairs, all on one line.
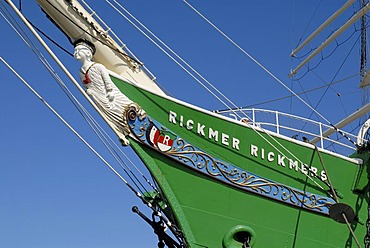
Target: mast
{"points": [[364, 83]]}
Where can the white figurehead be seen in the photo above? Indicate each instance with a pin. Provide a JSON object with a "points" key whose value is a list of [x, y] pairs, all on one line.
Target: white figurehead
{"points": [[109, 99]]}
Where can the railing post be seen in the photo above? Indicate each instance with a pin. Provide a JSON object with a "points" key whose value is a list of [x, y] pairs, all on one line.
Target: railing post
{"points": [[253, 117], [321, 137], [277, 121]]}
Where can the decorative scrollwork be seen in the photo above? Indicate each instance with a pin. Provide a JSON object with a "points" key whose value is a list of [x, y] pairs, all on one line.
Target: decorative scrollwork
{"points": [[131, 114], [194, 158]]}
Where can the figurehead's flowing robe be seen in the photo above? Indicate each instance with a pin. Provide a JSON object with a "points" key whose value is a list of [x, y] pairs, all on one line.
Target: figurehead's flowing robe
{"points": [[108, 98]]}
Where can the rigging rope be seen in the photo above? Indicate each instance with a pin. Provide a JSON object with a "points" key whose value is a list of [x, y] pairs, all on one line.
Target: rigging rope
{"points": [[334, 193], [329, 87], [265, 69], [172, 58], [308, 24], [68, 125], [285, 97]]}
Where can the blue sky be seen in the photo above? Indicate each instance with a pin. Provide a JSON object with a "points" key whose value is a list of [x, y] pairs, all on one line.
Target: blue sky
{"points": [[54, 192]]}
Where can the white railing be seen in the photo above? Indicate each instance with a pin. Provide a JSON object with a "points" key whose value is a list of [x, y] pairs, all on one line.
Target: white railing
{"points": [[296, 127]]}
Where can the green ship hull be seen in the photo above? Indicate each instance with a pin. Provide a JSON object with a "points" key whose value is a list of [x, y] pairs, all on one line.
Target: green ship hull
{"points": [[226, 183], [212, 213]]}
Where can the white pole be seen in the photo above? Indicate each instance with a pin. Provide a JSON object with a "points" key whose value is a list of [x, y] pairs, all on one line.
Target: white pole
{"points": [[324, 25], [354, 18], [349, 119]]}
